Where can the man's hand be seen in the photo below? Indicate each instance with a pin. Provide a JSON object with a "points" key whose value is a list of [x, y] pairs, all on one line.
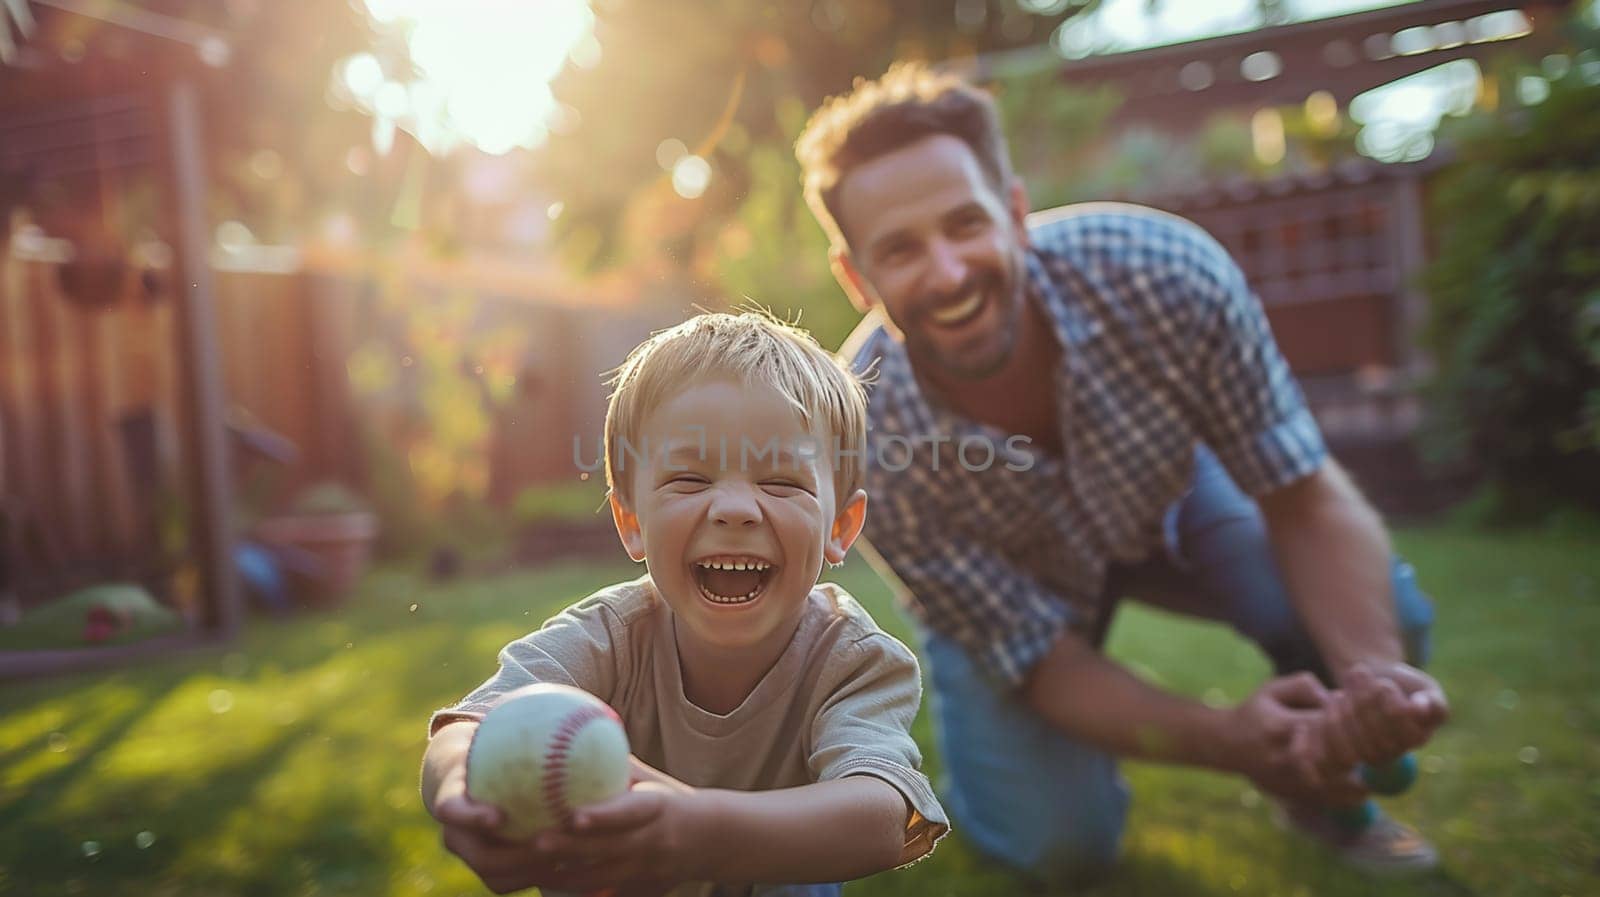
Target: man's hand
{"points": [[1270, 740], [1383, 711]]}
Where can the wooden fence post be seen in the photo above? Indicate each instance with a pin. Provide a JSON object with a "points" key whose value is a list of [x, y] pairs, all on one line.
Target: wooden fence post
{"points": [[201, 382]]}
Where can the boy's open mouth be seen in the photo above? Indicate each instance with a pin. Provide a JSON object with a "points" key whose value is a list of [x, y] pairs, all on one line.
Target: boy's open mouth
{"points": [[733, 579]]}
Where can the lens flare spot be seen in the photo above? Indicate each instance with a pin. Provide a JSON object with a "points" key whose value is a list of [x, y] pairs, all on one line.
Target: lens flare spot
{"points": [[220, 700]]}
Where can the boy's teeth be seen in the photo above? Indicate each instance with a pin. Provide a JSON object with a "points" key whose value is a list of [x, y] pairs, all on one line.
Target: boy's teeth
{"points": [[735, 565], [725, 599], [722, 574]]}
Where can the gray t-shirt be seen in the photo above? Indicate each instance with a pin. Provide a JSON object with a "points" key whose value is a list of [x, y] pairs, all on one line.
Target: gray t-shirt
{"points": [[838, 702]]}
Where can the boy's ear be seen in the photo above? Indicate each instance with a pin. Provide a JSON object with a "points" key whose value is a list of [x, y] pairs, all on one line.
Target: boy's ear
{"points": [[627, 528], [856, 287], [846, 527]]}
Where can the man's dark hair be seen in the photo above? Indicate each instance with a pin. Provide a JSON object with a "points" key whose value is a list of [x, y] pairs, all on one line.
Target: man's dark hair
{"points": [[910, 102]]}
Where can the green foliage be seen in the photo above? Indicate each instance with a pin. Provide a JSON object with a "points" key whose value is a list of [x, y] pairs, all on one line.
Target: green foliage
{"points": [[1515, 289], [435, 375], [664, 74], [568, 502], [407, 524], [1063, 147], [1224, 148], [412, 524], [738, 94], [1053, 129], [774, 253]]}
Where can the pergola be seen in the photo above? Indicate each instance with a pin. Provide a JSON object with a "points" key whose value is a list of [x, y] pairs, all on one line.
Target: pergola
{"points": [[90, 93]]}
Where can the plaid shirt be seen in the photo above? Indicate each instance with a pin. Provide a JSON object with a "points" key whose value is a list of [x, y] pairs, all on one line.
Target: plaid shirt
{"points": [[1163, 347]]}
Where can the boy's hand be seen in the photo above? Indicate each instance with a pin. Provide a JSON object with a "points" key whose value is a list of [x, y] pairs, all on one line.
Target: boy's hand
{"points": [[645, 841], [470, 833]]}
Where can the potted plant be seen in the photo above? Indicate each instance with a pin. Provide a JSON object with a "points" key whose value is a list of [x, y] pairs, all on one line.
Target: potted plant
{"points": [[331, 524]]}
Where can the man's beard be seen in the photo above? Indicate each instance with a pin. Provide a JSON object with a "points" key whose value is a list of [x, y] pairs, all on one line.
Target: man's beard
{"points": [[974, 362]]}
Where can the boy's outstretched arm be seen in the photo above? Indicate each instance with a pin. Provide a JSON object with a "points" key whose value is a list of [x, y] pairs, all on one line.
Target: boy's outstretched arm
{"points": [[666, 832]]}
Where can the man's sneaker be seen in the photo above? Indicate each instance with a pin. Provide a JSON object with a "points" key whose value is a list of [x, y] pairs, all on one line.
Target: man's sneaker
{"points": [[1382, 847]]}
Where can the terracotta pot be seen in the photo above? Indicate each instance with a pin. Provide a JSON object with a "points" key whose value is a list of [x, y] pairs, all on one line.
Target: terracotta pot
{"points": [[341, 543]]}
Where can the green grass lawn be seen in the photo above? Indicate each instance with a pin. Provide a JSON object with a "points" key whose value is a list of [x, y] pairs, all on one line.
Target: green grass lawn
{"points": [[286, 763]]}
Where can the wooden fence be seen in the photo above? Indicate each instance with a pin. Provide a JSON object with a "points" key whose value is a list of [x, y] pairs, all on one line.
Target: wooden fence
{"points": [[91, 462], [89, 422]]}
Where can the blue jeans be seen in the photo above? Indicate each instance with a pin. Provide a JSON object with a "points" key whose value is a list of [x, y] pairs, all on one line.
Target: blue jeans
{"points": [[1026, 794], [828, 890]]}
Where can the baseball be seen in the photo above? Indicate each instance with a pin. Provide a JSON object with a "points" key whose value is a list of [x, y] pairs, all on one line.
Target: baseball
{"points": [[543, 751]]}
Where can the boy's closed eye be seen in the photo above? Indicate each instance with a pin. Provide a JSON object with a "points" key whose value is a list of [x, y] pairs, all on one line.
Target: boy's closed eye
{"points": [[784, 488]]}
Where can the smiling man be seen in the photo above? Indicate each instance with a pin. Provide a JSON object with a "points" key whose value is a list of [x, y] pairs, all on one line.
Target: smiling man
{"points": [[1086, 404]]}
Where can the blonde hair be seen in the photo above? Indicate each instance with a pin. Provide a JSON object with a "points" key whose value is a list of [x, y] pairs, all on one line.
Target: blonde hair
{"points": [[909, 103], [753, 348]]}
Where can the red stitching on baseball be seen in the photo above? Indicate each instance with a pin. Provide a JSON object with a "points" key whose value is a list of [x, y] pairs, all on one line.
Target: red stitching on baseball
{"points": [[555, 758]]}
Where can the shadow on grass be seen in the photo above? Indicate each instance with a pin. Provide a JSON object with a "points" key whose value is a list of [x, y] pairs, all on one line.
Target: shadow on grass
{"points": [[204, 834], [83, 759], [126, 812]]}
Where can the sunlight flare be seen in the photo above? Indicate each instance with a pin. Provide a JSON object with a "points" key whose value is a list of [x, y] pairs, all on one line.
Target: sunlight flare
{"points": [[482, 70]]}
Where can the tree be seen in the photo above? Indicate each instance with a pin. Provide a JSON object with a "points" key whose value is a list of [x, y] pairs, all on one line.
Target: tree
{"points": [[1515, 289], [734, 81]]}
